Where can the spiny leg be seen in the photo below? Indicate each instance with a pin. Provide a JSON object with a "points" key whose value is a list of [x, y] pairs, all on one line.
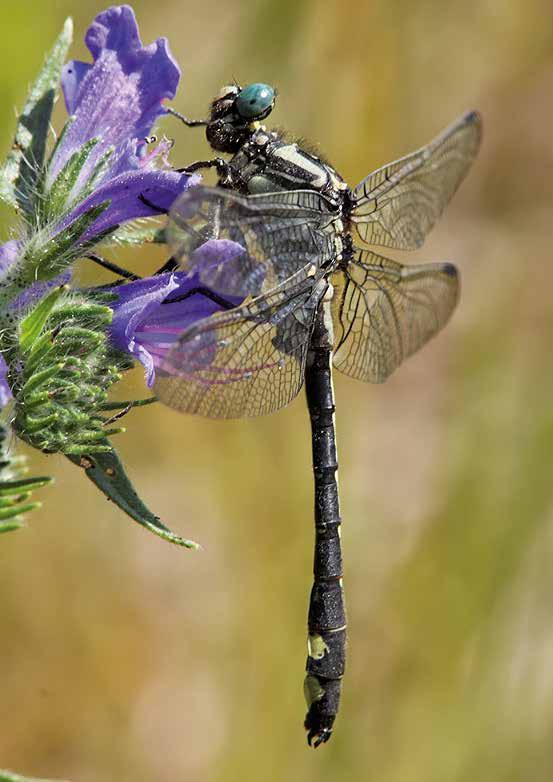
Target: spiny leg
{"points": [[202, 291], [112, 267], [191, 123]]}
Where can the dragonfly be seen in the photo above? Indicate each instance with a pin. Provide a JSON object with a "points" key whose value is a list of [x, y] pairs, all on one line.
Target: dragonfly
{"points": [[305, 259]]}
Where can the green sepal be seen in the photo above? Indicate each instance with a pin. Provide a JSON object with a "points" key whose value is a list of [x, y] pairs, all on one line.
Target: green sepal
{"points": [[59, 140], [15, 491], [10, 502], [32, 325], [136, 233], [9, 776], [58, 197], [9, 526], [84, 311], [25, 485], [14, 511], [41, 378], [38, 351], [106, 471], [22, 168], [46, 259], [98, 173]]}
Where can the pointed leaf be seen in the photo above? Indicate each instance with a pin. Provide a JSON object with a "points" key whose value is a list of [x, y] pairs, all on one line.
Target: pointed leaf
{"points": [[19, 174], [106, 471]]}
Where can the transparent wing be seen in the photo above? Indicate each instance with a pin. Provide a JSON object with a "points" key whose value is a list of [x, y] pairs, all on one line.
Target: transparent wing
{"points": [[384, 311], [398, 204], [263, 239], [247, 361]]}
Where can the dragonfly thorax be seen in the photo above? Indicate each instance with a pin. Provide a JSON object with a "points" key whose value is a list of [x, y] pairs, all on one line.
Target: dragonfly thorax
{"points": [[267, 162]]}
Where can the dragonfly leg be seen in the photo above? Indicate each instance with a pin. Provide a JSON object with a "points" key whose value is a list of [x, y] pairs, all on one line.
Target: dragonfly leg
{"points": [[146, 201], [200, 290], [170, 265], [191, 123], [220, 165], [112, 267]]}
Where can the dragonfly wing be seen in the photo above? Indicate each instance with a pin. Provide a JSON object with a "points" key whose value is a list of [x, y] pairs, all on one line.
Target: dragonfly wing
{"points": [[384, 311], [262, 239], [397, 205], [247, 361]]}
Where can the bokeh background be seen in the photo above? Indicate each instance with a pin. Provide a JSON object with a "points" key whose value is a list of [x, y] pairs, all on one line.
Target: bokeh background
{"points": [[123, 658]]}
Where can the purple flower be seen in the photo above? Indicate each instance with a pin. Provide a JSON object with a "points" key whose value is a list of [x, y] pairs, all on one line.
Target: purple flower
{"points": [[117, 99], [150, 314], [5, 390]]}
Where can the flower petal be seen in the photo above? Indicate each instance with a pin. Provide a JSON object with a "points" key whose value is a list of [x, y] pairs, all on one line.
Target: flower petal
{"points": [[132, 195], [9, 253], [136, 300], [120, 95], [5, 391], [72, 76], [150, 314]]}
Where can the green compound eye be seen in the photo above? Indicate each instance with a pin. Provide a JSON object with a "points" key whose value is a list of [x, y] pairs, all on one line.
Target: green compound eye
{"points": [[255, 100]]}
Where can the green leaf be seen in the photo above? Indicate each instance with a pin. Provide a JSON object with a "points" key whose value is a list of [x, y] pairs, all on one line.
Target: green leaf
{"points": [[106, 471], [32, 325], [20, 172]]}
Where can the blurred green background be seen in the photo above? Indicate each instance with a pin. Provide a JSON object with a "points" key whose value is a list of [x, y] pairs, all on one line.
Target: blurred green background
{"points": [[123, 658]]}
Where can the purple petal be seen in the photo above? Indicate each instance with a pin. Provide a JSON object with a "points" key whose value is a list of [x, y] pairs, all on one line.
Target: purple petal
{"points": [[5, 391], [9, 253], [224, 266], [132, 195], [120, 95], [149, 315], [72, 76], [137, 300]]}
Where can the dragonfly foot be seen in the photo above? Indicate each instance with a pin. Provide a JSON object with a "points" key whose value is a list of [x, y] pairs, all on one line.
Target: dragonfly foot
{"points": [[317, 737], [319, 730]]}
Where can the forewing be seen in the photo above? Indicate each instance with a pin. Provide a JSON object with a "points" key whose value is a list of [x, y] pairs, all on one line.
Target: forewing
{"points": [[247, 361], [384, 311], [398, 204], [267, 238]]}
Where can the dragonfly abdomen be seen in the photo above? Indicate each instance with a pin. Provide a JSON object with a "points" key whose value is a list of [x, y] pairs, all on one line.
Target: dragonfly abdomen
{"points": [[327, 617]]}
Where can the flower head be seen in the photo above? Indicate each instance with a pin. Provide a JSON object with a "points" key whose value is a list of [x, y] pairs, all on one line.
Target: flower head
{"points": [[115, 101], [103, 171]]}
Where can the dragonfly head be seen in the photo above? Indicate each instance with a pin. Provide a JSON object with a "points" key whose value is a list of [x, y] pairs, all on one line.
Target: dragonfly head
{"points": [[235, 112]]}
